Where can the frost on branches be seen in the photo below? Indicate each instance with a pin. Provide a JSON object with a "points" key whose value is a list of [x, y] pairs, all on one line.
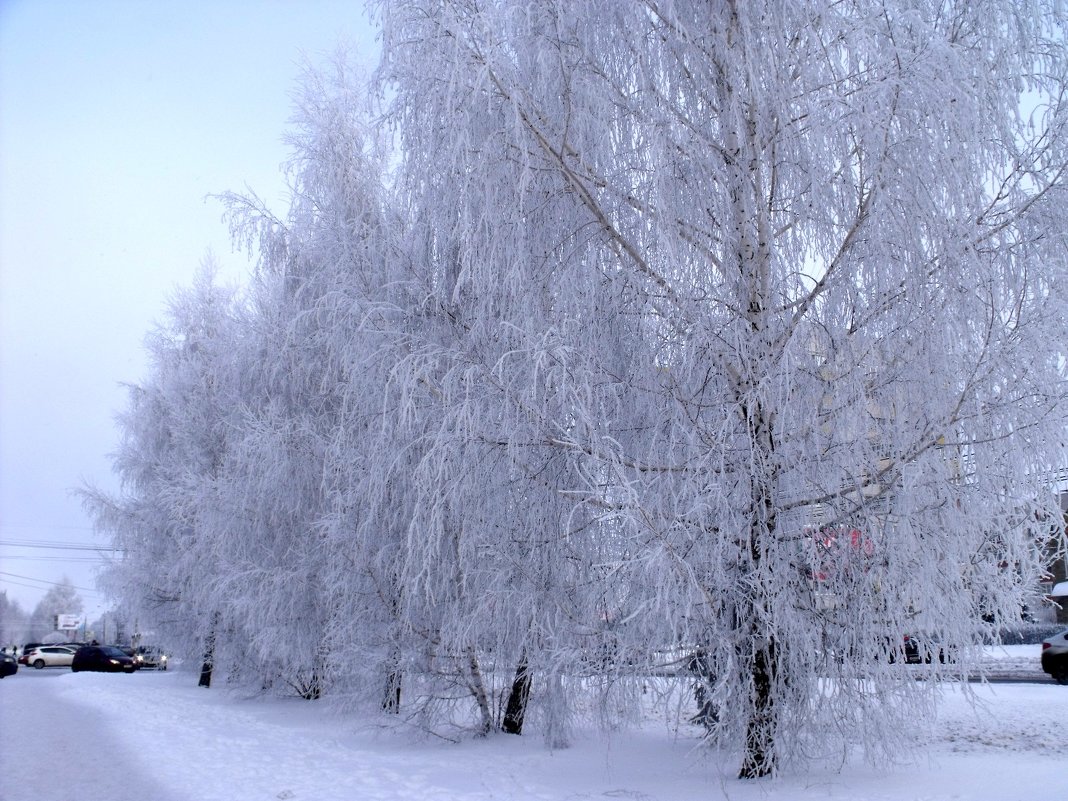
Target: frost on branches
{"points": [[722, 341]]}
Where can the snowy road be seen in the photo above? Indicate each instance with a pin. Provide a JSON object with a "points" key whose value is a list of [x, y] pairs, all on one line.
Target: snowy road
{"points": [[51, 745]]}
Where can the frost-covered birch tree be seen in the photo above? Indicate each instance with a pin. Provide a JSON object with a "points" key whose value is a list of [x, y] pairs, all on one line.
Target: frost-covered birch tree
{"points": [[502, 549], [61, 599], [175, 434], [835, 233], [292, 531]]}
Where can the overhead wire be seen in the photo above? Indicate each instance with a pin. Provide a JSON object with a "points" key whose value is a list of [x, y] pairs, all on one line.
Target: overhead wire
{"points": [[11, 576], [57, 545]]}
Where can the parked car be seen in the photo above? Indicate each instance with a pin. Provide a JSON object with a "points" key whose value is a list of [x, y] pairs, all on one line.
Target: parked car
{"points": [[25, 655], [9, 666], [151, 656], [1055, 656], [917, 651], [50, 656], [103, 659]]}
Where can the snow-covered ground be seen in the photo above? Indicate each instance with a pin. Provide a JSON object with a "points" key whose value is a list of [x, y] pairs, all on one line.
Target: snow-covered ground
{"points": [[157, 736]]}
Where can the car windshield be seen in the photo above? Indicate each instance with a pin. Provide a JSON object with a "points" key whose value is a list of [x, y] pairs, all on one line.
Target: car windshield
{"points": [[112, 652]]}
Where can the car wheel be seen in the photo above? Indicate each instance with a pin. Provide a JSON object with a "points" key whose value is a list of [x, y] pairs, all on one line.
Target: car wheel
{"points": [[38, 663], [1061, 678]]}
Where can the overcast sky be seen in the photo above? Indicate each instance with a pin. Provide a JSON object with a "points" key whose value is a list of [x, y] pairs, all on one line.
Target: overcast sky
{"points": [[117, 119]]}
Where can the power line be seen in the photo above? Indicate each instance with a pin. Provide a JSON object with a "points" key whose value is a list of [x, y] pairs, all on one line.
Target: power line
{"points": [[43, 581], [94, 560], [59, 545], [14, 583]]}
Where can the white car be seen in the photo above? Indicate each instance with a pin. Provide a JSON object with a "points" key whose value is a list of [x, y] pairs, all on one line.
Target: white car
{"points": [[50, 656], [151, 656]]}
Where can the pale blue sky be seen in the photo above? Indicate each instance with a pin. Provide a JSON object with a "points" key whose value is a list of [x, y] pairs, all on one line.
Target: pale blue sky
{"points": [[117, 119]]}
